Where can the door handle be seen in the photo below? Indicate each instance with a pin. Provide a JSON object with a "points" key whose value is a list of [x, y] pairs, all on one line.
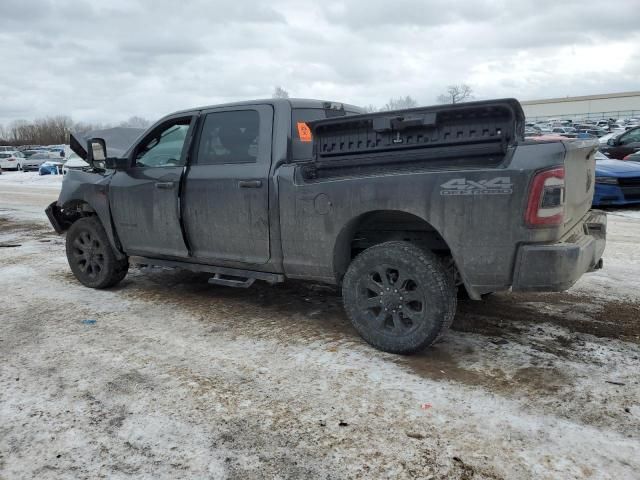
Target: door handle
{"points": [[164, 185], [250, 183]]}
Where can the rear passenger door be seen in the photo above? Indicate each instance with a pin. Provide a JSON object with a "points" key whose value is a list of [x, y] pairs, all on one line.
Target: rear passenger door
{"points": [[226, 191]]}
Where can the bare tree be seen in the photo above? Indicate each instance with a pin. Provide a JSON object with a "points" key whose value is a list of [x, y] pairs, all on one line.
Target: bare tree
{"points": [[84, 127], [136, 122], [42, 131], [456, 94], [399, 103], [370, 108], [280, 92]]}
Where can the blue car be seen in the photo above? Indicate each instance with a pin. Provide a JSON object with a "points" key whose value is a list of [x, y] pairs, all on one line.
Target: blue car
{"points": [[617, 182], [50, 168]]}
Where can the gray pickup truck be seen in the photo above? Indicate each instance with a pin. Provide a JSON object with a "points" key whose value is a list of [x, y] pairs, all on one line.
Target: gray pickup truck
{"points": [[398, 208]]}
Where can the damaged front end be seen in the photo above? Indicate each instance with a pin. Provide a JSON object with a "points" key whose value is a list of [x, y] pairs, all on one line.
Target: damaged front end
{"points": [[85, 192], [54, 214]]}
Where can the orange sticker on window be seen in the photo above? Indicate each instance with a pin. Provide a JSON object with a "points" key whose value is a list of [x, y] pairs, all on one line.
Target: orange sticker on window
{"points": [[304, 132]]}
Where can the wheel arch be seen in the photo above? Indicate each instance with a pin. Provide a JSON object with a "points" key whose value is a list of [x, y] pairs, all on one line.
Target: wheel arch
{"points": [[75, 208], [379, 226]]}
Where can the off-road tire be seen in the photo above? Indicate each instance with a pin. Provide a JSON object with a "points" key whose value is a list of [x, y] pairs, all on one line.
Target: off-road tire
{"points": [[421, 301], [91, 257]]}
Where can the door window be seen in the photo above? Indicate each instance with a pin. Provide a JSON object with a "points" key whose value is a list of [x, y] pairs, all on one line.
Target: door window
{"points": [[229, 137], [630, 137], [164, 148]]}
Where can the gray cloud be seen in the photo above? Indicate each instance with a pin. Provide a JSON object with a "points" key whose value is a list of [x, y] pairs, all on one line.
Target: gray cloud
{"points": [[108, 61]]}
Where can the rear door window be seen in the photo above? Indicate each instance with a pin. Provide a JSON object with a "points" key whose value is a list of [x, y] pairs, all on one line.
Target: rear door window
{"points": [[229, 137]]}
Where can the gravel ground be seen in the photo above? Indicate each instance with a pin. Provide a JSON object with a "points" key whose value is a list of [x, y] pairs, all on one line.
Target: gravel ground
{"points": [[166, 376]]}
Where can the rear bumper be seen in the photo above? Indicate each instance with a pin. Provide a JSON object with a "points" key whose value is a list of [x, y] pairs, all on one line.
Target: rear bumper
{"points": [[556, 267]]}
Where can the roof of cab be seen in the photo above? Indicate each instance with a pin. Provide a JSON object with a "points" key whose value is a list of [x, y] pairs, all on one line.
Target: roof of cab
{"points": [[291, 102]]}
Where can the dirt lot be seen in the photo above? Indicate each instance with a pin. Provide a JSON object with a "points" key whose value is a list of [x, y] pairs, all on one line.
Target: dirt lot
{"points": [[180, 379]]}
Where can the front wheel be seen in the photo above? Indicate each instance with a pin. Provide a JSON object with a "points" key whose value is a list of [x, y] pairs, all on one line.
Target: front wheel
{"points": [[91, 257], [399, 297]]}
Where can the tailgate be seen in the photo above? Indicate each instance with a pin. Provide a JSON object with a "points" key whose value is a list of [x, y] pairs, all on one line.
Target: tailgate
{"points": [[579, 166]]}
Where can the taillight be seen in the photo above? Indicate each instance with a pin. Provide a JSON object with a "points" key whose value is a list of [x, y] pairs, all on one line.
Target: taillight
{"points": [[627, 157], [546, 199]]}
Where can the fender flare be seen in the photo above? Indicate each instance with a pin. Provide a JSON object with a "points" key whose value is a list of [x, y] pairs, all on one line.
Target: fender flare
{"points": [[61, 220]]}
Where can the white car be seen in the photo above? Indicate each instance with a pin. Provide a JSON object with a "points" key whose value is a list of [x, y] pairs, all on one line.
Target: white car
{"points": [[603, 139], [74, 162], [10, 160]]}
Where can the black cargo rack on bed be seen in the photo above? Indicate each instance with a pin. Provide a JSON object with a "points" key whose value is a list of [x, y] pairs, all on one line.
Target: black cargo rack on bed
{"points": [[482, 130]]}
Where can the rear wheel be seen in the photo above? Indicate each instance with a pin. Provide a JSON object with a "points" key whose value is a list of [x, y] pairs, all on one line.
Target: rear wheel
{"points": [[399, 297], [91, 257]]}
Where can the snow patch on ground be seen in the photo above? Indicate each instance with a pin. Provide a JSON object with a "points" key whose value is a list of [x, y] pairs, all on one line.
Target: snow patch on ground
{"points": [[30, 179], [619, 279]]}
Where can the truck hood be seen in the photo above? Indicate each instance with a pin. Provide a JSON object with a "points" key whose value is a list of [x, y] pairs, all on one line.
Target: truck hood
{"points": [[118, 139], [617, 168]]}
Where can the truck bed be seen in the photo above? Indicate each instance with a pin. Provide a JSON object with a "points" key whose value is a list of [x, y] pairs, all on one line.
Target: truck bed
{"points": [[471, 133]]}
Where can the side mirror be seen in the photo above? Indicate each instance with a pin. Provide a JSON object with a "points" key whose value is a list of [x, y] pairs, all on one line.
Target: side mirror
{"points": [[96, 152], [116, 163], [612, 142]]}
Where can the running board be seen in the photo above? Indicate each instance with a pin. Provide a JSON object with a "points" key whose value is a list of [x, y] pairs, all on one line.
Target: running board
{"points": [[236, 282], [240, 278]]}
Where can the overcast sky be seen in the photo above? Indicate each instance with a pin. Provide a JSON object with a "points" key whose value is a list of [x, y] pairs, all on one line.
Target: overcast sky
{"points": [[108, 60]]}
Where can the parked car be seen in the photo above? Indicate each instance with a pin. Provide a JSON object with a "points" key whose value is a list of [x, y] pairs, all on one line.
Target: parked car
{"points": [[568, 132], [605, 138], [620, 145], [10, 159], [272, 189], [7, 148], [617, 182], [34, 161], [51, 167], [589, 133], [596, 132], [74, 162]]}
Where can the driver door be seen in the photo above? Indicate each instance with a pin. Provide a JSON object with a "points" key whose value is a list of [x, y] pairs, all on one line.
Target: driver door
{"points": [[144, 199]]}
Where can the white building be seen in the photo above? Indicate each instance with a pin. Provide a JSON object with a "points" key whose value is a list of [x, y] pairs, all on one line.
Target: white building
{"points": [[611, 105]]}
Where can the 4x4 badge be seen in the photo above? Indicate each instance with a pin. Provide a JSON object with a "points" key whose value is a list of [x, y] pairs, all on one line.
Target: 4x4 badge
{"points": [[462, 186]]}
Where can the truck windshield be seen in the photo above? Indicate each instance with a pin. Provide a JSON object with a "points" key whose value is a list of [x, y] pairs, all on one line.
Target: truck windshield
{"points": [[301, 144]]}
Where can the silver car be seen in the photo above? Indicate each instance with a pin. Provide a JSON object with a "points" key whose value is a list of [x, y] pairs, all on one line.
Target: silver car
{"points": [[34, 161]]}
